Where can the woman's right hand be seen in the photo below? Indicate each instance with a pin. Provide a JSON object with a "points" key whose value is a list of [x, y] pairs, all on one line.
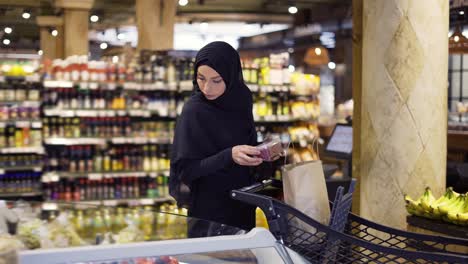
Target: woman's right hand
{"points": [[245, 155]]}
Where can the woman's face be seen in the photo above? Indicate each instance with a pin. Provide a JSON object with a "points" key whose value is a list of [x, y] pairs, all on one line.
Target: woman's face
{"points": [[210, 82]]}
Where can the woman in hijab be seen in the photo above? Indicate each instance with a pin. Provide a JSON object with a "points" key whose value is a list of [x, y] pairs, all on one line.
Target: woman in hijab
{"points": [[214, 139]]}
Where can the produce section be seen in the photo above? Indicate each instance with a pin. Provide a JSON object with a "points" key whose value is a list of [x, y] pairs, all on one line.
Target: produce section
{"points": [[452, 207]]}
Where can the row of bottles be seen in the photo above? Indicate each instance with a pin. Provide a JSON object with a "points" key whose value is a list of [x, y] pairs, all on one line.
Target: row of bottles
{"points": [[157, 68], [105, 127], [11, 136], [20, 182], [152, 223], [73, 98], [20, 92], [14, 160], [15, 112], [118, 158], [281, 105], [272, 70], [84, 189], [164, 104]]}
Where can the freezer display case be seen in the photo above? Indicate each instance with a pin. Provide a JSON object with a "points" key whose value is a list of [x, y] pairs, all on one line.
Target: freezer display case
{"points": [[256, 246]]}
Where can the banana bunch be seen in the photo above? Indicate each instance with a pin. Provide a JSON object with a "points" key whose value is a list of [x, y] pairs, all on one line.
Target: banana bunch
{"points": [[452, 207]]}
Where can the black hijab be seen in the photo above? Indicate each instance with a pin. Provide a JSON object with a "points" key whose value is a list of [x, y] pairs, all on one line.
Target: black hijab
{"points": [[207, 127]]}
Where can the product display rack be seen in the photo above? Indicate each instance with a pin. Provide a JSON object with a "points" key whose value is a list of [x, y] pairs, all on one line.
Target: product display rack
{"points": [[85, 122]]}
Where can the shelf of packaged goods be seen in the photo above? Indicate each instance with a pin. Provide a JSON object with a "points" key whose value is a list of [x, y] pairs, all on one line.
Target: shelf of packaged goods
{"points": [[269, 88], [105, 113], [25, 103], [55, 205], [140, 140], [56, 176], [91, 85], [282, 119], [156, 86], [22, 123], [36, 168], [22, 150], [19, 195], [103, 141], [74, 141]]}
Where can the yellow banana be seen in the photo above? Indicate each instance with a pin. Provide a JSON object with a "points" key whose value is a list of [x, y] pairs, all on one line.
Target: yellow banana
{"points": [[427, 199], [447, 198], [413, 207], [454, 206]]}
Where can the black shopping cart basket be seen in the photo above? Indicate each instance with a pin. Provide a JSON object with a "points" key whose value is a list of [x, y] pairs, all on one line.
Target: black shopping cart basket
{"points": [[348, 238]]}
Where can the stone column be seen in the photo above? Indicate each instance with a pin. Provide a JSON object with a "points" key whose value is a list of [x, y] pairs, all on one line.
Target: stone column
{"points": [[52, 47], [403, 101], [76, 22], [155, 23]]}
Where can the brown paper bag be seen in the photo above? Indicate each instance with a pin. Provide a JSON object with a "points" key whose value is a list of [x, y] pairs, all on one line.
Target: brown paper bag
{"points": [[305, 189]]}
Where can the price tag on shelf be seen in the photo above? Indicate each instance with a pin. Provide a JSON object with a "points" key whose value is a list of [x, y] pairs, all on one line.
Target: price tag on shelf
{"points": [[37, 169], [36, 124], [166, 173], [49, 206], [84, 85], [172, 86], [146, 201], [95, 176], [270, 88], [153, 174], [111, 86], [2, 171], [121, 112], [93, 85], [3, 124], [110, 202], [22, 124]]}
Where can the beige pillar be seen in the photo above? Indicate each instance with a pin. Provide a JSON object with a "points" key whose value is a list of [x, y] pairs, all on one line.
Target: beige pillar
{"points": [[52, 47], [155, 23], [76, 22], [403, 122]]}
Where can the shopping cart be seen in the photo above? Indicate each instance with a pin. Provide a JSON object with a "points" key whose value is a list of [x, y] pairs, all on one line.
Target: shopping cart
{"points": [[348, 238]]}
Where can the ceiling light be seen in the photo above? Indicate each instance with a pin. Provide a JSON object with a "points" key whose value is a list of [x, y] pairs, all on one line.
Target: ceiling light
{"points": [[120, 36], [115, 59], [183, 2], [292, 10], [456, 38], [26, 14], [40, 52], [6, 41], [461, 13], [8, 30], [318, 51], [54, 32], [291, 68], [94, 18], [103, 46], [331, 65]]}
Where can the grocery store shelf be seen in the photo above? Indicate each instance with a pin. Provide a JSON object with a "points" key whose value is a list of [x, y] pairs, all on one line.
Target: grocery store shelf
{"points": [[103, 113], [32, 123], [36, 168], [26, 103], [58, 84], [55, 176], [103, 141], [268, 88], [54, 205], [18, 195], [282, 119], [140, 140], [157, 86], [20, 150], [74, 141]]}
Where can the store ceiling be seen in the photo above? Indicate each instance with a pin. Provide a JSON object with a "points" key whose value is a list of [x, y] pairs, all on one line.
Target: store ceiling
{"points": [[118, 13]]}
